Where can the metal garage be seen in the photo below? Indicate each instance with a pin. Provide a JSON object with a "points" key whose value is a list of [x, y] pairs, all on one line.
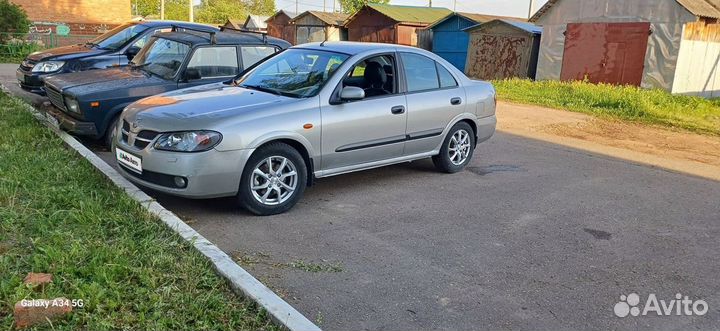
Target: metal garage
{"points": [[635, 42], [502, 49]]}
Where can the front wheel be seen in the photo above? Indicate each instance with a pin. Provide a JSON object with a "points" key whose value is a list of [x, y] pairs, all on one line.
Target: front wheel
{"points": [[273, 181], [111, 131], [457, 149]]}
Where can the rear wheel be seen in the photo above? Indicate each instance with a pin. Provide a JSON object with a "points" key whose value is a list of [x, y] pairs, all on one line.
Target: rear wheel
{"points": [[457, 149], [273, 181]]}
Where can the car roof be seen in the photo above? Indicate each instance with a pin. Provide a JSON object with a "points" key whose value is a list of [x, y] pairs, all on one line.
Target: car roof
{"points": [[353, 48], [195, 38]]}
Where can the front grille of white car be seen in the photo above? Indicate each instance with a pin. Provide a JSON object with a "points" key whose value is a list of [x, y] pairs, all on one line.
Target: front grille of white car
{"points": [[140, 140]]}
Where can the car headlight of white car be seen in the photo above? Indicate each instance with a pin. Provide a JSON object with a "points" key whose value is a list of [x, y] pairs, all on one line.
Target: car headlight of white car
{"points": [[188, 141], [72, 105], [48, 66]]}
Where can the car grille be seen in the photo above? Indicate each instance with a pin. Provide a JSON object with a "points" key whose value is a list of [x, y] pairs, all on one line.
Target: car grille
{"points": [[142, 139], [55, 97]]}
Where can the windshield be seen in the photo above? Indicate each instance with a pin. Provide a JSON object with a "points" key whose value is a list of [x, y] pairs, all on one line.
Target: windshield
{"points": [[161, 57], [297, 73], [118, 36]]}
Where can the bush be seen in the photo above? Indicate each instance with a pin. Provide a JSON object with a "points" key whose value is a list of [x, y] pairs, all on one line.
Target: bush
{"points": [[13, 19]]}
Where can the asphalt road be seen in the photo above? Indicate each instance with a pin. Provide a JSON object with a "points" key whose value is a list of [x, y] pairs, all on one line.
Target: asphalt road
{"points": [[531, 236]]}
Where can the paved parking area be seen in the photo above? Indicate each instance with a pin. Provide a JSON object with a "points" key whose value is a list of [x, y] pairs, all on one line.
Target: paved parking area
{"points": [[532, 236]]}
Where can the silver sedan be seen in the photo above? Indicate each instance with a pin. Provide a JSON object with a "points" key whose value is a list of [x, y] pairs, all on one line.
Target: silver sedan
{"points": [[312, 111]]}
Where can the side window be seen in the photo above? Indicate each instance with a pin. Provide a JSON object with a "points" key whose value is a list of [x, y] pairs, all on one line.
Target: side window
{"points": [[446, 79], [420, 72], [140, 43], [214, 61], [253, 54], [375, 75]]}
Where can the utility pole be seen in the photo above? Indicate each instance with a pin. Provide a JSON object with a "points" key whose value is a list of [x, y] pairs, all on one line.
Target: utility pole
{"points": [[162, 9], [429, 3], [297, 6], [455, 5], [192, 19], [324, 5], [334, 2], [532, 9]]}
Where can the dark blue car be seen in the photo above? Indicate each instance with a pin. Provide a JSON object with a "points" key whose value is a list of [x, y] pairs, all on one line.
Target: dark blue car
{"points": [[114, 48]]}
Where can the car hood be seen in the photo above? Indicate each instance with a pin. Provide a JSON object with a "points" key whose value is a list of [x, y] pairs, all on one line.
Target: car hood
{"points": [[86, 82], [200, 107], [65, 53]]}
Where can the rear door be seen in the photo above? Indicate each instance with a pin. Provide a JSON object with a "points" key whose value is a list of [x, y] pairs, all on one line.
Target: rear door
{"points": [[434, 98]]}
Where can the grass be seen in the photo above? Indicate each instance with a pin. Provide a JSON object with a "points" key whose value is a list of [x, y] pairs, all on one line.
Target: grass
{"points": [[634, 104], [61, 216]]}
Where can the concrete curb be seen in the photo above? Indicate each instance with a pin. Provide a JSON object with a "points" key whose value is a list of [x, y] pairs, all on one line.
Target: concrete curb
{"points": [[240, 280]]}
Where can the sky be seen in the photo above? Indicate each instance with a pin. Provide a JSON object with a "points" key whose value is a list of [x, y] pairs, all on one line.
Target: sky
{"points": [[518, 8]]}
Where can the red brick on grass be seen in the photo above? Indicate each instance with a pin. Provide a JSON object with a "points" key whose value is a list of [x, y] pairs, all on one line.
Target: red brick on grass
{"points": [[40, 312], [37, 279]]}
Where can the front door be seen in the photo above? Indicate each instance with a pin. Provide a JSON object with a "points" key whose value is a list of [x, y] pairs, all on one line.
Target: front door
{"points": [[367, 130], [605, 52]]}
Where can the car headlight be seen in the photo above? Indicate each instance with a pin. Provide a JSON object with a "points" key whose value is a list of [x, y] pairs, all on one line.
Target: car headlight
{"points": [[72, 105], [188, 141], [48, 66]]}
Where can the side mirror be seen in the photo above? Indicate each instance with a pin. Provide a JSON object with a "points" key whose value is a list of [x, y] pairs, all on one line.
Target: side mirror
{"points": [[132, 51], [192, 74], [352, 93]]}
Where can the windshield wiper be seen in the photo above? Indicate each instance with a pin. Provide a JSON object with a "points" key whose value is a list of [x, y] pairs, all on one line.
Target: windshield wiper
{"points": [[262, 89]]}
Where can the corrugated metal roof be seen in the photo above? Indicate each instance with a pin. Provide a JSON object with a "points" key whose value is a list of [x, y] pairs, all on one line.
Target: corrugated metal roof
{"points": [[411, 14], [702, 8], [705, 8], [337, 19], [235, 24], [256, 22], [529, 27], [282, 11], [476, 18]]}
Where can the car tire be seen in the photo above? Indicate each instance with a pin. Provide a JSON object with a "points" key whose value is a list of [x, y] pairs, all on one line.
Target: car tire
{"points": [[110, 132], [457, 149], [261, 182]]}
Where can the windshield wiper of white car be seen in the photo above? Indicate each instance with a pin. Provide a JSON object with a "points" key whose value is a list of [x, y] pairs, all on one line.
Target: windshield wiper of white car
{"points": [[263, 89]]}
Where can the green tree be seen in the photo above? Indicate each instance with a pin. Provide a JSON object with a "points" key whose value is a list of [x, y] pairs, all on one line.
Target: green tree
{"points": [[351, 6], [13, 18], [219, 11], [261, 7]]}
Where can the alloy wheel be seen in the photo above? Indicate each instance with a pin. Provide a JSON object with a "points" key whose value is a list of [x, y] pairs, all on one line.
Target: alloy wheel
{"points": [[274, 180], [459, 147]]}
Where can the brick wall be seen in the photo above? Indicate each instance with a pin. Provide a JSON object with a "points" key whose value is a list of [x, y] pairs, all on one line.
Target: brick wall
{"points": [[80, 16]]}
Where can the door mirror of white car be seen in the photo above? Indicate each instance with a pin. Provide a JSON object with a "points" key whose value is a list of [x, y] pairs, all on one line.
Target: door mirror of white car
{"points": [[351, 93]]}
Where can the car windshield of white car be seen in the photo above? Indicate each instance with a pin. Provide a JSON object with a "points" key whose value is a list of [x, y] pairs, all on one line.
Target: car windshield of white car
{"points": [[161, 57], [297, 73]]}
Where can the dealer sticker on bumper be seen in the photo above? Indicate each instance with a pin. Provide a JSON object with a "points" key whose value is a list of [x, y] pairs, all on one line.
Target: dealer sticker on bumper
{"points": [[131, 161]]}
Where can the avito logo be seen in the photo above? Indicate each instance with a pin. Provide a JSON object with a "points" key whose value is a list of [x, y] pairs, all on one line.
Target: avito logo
{"points": [[680, 306]]}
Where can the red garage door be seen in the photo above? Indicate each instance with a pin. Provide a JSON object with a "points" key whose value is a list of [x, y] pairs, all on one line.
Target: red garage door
{"points": [[605, 52]]}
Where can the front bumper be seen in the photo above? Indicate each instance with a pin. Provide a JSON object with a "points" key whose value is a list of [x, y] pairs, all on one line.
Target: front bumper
{"points": [[30, 81], [72, 125], [209, 174]]}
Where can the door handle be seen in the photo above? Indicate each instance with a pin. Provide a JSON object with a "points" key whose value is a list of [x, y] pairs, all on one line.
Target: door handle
{"points": [[456, 101], [397, 110]]}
